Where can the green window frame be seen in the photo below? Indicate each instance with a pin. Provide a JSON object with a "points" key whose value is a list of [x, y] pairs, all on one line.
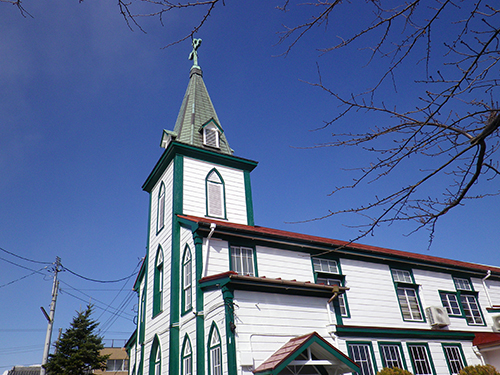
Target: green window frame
{"points": [[215, 195], [407, 295], [160, 209], [142, 315], [155, 358], [328, 272], [463, 302], [455, 358], [421, 359], [361, 352], [187, 281], [243, 260], [214, 351], [187, 357], [392, 355], [158, 283]]}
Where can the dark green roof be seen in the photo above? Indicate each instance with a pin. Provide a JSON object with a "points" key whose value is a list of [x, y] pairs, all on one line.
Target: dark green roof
{"points": [[196, 111]]}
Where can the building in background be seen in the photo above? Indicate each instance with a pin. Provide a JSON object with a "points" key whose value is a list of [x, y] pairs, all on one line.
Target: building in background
{"points": [[219, 295], [117, 362]]}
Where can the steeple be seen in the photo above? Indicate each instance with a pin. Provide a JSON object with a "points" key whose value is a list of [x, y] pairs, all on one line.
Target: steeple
{"points": [[197, 123]]}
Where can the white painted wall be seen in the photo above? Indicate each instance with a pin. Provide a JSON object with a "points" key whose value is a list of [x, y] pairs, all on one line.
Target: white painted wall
{"points": [[195, 173]]}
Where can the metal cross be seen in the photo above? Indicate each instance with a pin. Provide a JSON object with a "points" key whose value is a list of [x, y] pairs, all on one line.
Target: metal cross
{"points": [[194, 54]]}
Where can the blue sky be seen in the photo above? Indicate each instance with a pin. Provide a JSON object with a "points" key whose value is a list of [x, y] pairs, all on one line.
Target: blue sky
{"points": [[84, 102]]}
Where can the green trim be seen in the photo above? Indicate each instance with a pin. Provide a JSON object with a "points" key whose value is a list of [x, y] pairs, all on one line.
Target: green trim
{"points": [[401, 353], [228, 296], [159, 272], [177, 204], [254, 256], [140, 371], [349, 351], [224, 217], [200, 319], [152, 356], [334, 276], [183, 297], [184, 357], [429, 357], [177, 148], [210, 347], [414, 286], [162, 189], [424, 334], [493, 310], [457, 345], [212, 120], [142, 314], [248, 198], [445, 292]]}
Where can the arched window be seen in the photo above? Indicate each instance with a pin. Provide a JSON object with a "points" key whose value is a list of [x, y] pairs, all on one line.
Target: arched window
{"points": [[187, 272], [158, 283], [142, 315], [187, 357], [214, 351], [161, 209], [215, 195], [211, 135], [155, 358]]}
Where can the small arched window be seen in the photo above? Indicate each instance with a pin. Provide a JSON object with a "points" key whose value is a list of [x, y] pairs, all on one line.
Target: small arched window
{"points": [[155, 358], [215, 352], [187, 357], [215, 191], [211, 135], [161, 209], [158, 283], [187, 272]]}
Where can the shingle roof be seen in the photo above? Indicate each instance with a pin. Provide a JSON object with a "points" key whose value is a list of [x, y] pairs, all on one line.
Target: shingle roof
{"points": [[21, 370], [304, 239], [196, 110]]}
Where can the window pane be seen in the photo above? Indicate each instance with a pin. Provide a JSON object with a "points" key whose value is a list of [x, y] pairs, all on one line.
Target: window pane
{"points": [[361, 355], [454, 359], [391, 355], [471, 309], [409, 304], [325, 265], [450, 302], [242, 261], [462, 284], [402, 276], [420, 360], [341, 297]]}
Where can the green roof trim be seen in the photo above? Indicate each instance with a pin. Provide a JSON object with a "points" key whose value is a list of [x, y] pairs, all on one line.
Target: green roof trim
{"points": [[359, 331]]}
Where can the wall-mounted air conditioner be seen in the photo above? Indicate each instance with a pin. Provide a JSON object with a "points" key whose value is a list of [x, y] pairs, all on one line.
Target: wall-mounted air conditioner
{"points": [[437, 315], [496, 323]]}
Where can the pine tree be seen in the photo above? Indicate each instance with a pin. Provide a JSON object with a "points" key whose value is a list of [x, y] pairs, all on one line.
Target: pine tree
{"points": [[78, 350]]}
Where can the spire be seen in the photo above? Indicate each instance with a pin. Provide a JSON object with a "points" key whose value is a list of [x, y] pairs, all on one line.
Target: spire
{"points": [[197, 123]]}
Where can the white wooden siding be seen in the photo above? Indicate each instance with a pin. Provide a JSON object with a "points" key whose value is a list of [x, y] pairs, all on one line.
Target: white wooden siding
{"points": [[194, 194], [216, 259], [214, 312], [266, 321], [289, 265]]}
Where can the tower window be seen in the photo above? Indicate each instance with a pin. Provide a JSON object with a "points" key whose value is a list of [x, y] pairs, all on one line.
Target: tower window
{"points": [[211, 135], [215, 195]]}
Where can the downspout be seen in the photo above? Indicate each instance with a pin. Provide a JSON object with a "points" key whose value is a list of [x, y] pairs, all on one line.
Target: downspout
{"points": [[331, 326], [488, 274], [212, 230], [477, 352]]}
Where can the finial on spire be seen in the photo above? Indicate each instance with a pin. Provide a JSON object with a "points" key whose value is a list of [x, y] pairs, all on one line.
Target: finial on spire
{"points": [[194, 54]]}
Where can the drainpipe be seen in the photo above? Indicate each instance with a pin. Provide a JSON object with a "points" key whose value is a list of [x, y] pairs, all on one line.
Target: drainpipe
{"points": [[476, 351], [488, 274], [212, 230]]}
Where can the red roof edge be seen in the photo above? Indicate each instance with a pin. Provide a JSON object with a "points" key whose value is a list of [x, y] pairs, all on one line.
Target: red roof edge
{"points": [[486, 339]]}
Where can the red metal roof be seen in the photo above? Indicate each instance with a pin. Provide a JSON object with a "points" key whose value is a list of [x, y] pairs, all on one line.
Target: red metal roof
{"points": [[486, 339], [292, 236]]}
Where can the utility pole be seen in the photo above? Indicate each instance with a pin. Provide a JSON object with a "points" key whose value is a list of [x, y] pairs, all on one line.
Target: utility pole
{"points": [[50, 316]]}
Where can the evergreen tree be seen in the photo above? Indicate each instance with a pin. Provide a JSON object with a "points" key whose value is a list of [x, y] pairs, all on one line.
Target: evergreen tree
{"points": [[78, 350]]}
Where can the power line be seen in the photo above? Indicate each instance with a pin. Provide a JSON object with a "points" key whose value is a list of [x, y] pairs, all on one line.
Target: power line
{"points": [[18, 265], [99, 281], [23, 258], [21, 278]]}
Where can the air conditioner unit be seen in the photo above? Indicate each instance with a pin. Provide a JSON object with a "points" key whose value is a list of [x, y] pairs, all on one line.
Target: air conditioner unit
{"points": [[437, 315], [496, 323]]}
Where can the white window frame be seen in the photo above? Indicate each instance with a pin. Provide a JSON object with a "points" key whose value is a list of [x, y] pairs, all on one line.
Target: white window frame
{"points": [[160, 217], [409, 304], [391, 355], [453, 355], [361, 353], [451, 303], [215, 352], [471, 309], [325, 266], [243, 260], [420, 360], [187, 277], [211, 136], [341, 297]]}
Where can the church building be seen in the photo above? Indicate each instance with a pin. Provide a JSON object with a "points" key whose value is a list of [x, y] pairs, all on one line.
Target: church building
{"points": [[219, 295]]}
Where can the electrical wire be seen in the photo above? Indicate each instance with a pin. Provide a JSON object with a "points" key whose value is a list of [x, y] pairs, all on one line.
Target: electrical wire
{"points": [[98, 281], [26, 268], [108, 323], [23, 258], [21, 278]]}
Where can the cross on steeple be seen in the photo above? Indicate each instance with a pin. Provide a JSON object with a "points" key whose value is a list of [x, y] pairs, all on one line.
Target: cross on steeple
{"points": [[194, 54]]}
